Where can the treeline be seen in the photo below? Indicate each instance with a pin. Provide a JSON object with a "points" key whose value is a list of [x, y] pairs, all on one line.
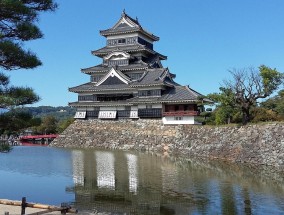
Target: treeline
{"points": [[267, 111], [241, 99], [59, 113], [39, 120]]}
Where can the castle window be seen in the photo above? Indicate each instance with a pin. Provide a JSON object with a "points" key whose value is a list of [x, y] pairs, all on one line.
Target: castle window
{"points": [[121, 41], [87, 98], [178, 118], [149, 93], [96, 78], [135, 76]]}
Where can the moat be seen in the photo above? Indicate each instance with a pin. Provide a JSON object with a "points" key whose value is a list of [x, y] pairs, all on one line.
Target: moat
{"points": [[126, 182]]}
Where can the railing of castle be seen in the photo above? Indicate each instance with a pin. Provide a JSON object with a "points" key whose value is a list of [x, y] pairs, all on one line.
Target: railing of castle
{"points": [[181, 113]]}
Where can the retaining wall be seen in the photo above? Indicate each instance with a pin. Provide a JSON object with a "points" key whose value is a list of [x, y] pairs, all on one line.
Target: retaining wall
{"points": [[256, 144]]}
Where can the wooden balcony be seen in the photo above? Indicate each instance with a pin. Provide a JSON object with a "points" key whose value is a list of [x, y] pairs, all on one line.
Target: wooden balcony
{"points": [[181, 113]]}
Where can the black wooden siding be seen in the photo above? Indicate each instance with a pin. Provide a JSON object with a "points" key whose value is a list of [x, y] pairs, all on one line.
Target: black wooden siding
{"points": [[142, 113], [150, 113]]}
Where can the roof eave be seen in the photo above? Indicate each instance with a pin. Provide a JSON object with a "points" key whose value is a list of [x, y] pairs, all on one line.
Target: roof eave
{"points": [[107, 32]]}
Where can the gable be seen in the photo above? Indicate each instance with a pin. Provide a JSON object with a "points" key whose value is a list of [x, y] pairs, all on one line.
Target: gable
{"points": [[113, 77], [125, 21], [117, 55], [122, 25], [112, 80]]}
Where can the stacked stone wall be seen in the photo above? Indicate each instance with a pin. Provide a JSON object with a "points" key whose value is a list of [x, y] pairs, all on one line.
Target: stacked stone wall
{"points": [[256, 144]]}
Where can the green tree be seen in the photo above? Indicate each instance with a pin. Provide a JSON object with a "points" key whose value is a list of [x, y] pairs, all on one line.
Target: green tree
{"points": [[14, 121], [11, 96], [260, 114], [18, 24], [18, 20], [64, 124], [48, 125], [276, 104], [225, 105], [249, 85]]}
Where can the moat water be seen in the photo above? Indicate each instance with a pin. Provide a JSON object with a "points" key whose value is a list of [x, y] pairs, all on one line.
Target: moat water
{"points": [[123, 182]]}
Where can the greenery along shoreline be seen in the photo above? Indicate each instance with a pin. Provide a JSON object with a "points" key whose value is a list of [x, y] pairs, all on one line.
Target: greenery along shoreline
{"points": [[4, 147], [38, 120]]}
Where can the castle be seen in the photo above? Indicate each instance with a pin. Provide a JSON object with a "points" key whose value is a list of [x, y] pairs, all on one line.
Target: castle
{"points": [[131, 81]]}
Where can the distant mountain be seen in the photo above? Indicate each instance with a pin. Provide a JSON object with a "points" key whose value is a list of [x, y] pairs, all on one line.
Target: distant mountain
{"points": [[60, 113]]}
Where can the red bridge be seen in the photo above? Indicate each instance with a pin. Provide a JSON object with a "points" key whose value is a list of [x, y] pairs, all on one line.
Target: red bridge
{"points": [[34, 137]]}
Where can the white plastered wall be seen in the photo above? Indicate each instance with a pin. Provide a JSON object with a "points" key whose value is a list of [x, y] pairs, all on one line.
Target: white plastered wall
{"points": [[108, 108], [143, 106], [170, 120]]}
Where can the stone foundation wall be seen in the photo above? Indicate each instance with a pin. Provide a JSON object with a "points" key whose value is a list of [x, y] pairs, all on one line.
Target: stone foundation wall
{"points": [[256, 144]]}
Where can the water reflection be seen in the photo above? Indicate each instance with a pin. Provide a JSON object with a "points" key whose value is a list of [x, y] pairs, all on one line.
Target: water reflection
{"points": [[78, 167], [132, 183], [105, 170], [120, 182], [132, 170]]}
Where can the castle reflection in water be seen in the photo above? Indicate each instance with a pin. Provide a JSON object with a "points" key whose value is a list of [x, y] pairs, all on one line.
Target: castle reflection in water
{"points": [[125, 183]]}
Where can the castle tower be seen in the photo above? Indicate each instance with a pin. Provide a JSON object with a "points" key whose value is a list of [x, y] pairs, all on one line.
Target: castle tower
{"points": [[131, 81]]}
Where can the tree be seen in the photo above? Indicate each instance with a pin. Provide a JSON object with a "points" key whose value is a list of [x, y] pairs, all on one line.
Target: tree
{"points": [[14, 121], [48, 125], [18, 24], [226, 105], [276, 103], [11, 96], [64, 124], [249, 85]]}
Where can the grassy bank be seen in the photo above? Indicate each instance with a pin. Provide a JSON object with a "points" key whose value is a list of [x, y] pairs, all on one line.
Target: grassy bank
{"points": [[4, 147]]}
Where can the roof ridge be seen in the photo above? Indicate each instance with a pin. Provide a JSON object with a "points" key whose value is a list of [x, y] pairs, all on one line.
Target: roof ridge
{"points": [[193, 91], [124, 14]]}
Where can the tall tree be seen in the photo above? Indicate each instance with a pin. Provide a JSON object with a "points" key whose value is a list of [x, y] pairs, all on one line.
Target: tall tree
{"points": [[226, 105], [18, 24], [249, 85]]}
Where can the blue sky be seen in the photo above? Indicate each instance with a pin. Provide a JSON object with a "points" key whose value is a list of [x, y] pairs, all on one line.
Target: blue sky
{"points": [[203, 39]]}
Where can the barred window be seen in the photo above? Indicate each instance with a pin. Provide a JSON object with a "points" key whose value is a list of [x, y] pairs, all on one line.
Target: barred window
{"points": [[96, 78], [149, 93], [121, 41], [135, 76], [87, 98], [117, 62], [128, 40]]}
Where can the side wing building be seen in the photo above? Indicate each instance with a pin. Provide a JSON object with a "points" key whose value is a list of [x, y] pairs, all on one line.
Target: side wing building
{"points": [[131, 81]]}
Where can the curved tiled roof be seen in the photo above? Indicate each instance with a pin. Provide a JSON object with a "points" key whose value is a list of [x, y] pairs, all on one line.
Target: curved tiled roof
{"points": [[99, 103], [128, 29], [178, 93], [127, 48], [125, 28], [91, 87], [151, 77], [105, 68]]}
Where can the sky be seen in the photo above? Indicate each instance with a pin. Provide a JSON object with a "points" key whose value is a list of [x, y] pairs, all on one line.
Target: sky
{"points": [[202, 39]]}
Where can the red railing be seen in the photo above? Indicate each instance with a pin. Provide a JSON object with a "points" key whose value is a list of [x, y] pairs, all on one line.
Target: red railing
{"points": [[28, 137], [181, 113]]}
